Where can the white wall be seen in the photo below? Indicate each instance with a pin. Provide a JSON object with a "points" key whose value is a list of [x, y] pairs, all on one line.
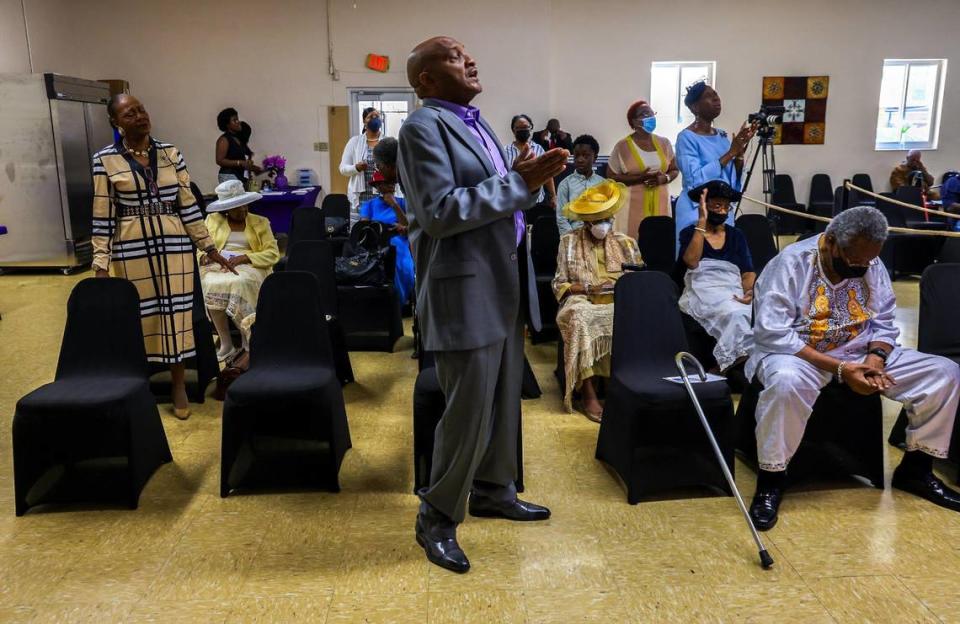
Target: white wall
{"points": [[580, 61]]}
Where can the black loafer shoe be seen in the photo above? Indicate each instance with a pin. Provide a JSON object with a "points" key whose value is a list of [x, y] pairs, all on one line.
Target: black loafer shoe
{"points": [[764, 508], [517, 510], [927, 486], [442, 550]]}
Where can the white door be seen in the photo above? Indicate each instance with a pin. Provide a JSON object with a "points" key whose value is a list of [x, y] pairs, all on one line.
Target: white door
{"points": [[394, 106]]}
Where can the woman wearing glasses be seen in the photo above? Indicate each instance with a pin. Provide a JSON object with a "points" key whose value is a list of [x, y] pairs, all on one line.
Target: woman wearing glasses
{"points": [[646, 164], [145, 224]]}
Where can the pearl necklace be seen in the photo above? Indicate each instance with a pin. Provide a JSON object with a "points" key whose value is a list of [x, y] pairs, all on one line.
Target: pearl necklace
{"points": [[140, 153]]}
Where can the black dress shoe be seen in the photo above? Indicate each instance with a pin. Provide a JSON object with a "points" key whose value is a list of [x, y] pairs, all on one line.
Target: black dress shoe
{"points": [[441, 547], [926, 486], [515, 510], [764, 508]]}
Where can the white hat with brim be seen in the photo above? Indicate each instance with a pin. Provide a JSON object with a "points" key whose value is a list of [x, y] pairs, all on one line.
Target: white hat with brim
{"points": [[230, 195]]}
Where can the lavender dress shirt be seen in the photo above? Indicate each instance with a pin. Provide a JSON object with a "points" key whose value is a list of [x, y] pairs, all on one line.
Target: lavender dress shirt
{"points": [[470, 115]]}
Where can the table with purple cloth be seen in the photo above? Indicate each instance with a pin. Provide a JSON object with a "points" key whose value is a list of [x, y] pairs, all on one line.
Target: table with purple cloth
{"points": [[278, 206]]}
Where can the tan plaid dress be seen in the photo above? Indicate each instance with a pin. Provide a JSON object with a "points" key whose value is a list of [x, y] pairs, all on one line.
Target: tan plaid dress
{"points": [[145, 230]]}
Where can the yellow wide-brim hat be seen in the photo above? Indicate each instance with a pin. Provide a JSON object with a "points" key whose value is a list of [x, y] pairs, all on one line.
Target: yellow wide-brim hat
{"points": [[597, 202]]}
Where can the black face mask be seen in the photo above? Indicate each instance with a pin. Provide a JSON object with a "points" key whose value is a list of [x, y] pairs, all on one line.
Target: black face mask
{"points": [[715, 218], [845, 271], [522, 135]]}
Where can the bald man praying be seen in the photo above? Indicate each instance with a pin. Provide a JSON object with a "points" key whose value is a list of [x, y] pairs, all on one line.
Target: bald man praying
{"points": [[475, 290]]}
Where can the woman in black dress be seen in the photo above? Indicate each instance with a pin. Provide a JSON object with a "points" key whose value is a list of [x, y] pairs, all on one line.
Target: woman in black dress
{"points": [[233, 154]]}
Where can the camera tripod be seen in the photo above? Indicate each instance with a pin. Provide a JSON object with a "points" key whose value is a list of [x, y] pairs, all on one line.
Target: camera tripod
{"points": [[769, 170]]}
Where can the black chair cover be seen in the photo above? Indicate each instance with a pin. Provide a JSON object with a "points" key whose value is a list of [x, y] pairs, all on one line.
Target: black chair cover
{"points": [[316, 257], [937, 334], [950, 252], [844, 435], [288, 405], [756, 228], [544, 243], [306, 223], [97, 424], [372, 316], [913, 195], [785, 197], [336, 205], [657, 240], [859, 199], [650, 433], [820, 201]]}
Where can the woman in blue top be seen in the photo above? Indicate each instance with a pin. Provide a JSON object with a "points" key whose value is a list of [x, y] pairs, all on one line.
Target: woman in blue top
{"points": [[391, 211], [705, 153]]}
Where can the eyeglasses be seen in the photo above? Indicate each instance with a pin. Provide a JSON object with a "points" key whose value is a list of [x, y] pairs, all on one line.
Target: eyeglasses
{"points": [[152, 187]]}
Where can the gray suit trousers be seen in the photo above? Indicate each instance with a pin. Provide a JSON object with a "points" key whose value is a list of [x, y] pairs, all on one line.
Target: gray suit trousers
{"points": [[475, 444]]}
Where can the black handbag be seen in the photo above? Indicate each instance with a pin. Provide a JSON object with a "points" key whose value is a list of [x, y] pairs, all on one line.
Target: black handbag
{"points": [[362, 269], [336, 226]]}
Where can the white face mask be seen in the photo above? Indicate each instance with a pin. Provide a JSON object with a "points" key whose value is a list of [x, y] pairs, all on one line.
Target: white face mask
{"points": [[600, 230]]}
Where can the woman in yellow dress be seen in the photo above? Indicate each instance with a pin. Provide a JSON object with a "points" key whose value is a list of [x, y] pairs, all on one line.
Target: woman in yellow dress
{"points": [[646, 164]]}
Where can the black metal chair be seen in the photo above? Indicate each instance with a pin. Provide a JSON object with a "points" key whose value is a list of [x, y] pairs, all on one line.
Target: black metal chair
{"points": [[785, 197], [844, 435], [937, 334], [316, 257], [650, 434], [544, 243], [915, 219], [96, 428], [287, 410], [756, 229], [657, 240]]}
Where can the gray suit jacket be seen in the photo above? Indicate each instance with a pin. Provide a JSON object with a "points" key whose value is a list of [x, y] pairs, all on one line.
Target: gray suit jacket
{"points": [[463, 234]]}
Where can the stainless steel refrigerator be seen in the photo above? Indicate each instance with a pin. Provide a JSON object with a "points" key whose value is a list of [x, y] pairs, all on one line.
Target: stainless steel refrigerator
{"points": [[50, 127]]}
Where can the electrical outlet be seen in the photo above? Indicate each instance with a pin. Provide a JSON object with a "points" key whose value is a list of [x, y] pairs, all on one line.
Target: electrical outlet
{"points": [[320, 146]]}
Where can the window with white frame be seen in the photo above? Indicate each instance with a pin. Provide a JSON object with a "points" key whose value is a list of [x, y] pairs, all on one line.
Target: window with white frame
{"points": [[911, 92], [668, 86]]}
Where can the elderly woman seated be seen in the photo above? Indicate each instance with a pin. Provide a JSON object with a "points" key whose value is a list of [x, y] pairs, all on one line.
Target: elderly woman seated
{"points": [[589, 262], [247, 241], [718, 285]]}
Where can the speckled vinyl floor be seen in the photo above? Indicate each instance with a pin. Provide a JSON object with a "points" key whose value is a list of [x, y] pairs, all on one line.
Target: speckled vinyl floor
{"points": [[844, 554]]}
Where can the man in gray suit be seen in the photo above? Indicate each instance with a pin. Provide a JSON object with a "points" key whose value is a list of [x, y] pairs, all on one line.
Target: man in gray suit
{"points": [[465, 207]]}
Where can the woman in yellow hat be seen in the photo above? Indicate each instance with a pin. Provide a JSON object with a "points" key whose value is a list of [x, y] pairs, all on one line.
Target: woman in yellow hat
{"points": [[589, 263]]}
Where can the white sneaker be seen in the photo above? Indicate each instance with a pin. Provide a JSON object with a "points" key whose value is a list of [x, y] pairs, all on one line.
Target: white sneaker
{"points": [[224, 356]]}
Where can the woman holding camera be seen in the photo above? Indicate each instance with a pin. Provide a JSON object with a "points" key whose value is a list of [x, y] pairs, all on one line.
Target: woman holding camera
{"points": [[705, 153]]}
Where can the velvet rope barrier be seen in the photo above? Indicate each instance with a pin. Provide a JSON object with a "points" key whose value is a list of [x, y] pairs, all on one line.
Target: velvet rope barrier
{"points": [[897, 202]]}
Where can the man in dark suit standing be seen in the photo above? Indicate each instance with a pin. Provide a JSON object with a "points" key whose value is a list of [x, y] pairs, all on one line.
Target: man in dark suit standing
{"points": [[467, 228], [553, 136]]}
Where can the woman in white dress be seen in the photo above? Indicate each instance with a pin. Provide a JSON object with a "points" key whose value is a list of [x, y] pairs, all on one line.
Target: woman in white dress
{"points": [[247, 242], [357, 161]]}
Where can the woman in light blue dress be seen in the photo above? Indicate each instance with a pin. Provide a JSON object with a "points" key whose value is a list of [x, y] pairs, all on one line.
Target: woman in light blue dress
{"points": [[705, 153]]}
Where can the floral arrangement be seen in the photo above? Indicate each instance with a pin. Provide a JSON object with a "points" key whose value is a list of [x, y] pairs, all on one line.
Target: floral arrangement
{"points": [[276, 163], [275, 166]]}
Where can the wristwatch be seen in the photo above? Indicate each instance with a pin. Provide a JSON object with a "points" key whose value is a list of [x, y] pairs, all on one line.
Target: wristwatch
{"points": [[880, 353]]}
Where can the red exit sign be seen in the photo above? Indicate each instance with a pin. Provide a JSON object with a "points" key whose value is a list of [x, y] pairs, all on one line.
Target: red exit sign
{"points": [[379, 63]]}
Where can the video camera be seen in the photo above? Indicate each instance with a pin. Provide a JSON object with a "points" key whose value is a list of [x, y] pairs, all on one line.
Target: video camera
{"points": [[766, 118]]}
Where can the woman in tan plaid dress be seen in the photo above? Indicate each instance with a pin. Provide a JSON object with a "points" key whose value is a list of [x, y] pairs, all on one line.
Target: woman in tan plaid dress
{"points": [[145, 224]]}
